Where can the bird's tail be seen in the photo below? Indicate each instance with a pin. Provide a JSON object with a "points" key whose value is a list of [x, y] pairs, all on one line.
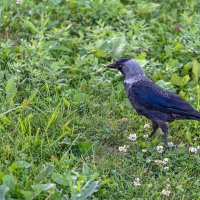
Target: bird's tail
{"points": [[195, 115]]}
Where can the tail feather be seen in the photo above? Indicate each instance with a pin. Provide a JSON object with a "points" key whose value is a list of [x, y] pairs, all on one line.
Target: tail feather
{"points": [[194, 115]]}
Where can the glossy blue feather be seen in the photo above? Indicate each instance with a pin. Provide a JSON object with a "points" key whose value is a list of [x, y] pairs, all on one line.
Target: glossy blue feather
{"points": [[151, 99]]}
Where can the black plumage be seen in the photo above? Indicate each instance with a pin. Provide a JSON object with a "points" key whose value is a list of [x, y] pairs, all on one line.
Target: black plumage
{"points": [[150, 100]]}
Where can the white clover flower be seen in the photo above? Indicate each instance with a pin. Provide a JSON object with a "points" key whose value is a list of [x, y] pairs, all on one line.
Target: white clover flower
{"points": [[159, 162], [165, 160], [123, 148], [136, 182], [147, 127], [198, 147], [166, 192], [148, 160], [166, 168], [193, 150], [159, 149], [144, 150], [145, 136], [132, 137], [146, 170], [18, 2], [124, 120], [162, 162], [195, 138], [170, 144]]}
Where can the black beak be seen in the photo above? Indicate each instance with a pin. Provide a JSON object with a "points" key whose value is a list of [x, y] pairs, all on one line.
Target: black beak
{"points": [[113, 65]]}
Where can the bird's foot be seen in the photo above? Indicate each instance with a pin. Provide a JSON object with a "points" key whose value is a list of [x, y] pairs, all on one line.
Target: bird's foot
{"points": [[167, 147]]}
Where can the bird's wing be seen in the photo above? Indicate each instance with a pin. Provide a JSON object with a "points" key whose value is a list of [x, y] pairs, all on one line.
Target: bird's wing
{"points": [[153, 97]]}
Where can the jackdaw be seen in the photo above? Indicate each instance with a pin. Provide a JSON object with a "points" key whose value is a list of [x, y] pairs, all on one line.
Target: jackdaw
{"points": [[152, 101]]}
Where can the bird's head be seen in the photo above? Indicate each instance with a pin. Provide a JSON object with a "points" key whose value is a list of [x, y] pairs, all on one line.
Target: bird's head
{"points": [[119, 64], [128, 67]]}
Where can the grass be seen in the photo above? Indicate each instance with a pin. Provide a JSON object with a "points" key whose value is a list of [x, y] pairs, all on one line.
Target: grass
{"points": [[64, 115]]}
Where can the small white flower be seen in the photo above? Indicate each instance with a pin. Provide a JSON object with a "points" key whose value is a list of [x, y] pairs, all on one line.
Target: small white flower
{"points": [[162, 162], [18, 2], [147, 127], [159, 149], [195, 138], [123, 148], [148, 160], [145, 136], [132, 137], [159, 162], [166, 192], [146, 170], [198, 147], [193, 150], [124, 120], [136, 182], [170, 144], [165, 160], [166, 168], [144, 150]]}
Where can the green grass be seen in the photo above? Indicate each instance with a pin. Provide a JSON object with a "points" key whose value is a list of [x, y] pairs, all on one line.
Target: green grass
{"points": [[64, 114]]}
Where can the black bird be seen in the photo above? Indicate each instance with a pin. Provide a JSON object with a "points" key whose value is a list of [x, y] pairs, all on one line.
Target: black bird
{"points": [[150, 100]]}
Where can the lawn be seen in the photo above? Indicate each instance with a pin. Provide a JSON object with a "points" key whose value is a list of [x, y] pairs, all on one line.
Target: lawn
{"points": [[67, 130]]}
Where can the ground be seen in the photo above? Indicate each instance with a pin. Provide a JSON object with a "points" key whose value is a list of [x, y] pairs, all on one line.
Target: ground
{"points": [[65, 120]]}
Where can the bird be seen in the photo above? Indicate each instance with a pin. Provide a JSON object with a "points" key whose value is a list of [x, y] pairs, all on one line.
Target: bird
{"points": [[150, 100]]}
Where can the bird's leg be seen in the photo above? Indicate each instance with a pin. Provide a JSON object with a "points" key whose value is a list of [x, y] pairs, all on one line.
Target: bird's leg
{"points": [[166, 138], [155, 128], [164, 129]]}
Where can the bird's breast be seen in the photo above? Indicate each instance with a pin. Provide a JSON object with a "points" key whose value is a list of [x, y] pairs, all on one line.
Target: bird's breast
{"points": [[128, 83], [127, 87]]}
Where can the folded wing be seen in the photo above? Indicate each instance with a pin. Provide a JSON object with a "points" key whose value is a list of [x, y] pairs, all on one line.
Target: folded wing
{"points": [[158, 99]]}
